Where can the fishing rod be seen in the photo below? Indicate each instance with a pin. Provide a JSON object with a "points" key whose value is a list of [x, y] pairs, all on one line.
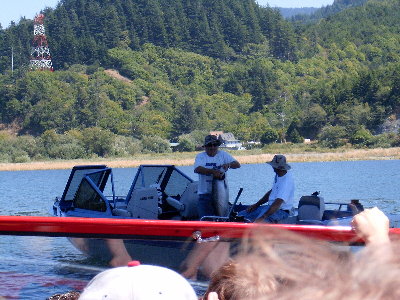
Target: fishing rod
{"points": [[234, 203]]}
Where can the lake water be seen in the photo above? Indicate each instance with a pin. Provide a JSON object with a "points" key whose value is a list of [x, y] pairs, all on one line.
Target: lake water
{"points": [[37, 267]]}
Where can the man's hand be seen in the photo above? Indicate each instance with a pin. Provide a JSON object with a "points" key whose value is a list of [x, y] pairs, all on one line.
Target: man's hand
{"points": [[217, 174], [259, 220], [226, 166], [251, 208], [372, 225], [232, 165]]}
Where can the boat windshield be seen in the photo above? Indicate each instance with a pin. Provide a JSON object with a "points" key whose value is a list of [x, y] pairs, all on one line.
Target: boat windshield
{"points": [[166, 178], [75, 178], [88, 197]]}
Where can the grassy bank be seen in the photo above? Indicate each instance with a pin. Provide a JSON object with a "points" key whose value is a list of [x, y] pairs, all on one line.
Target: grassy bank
{"points": [[293, 154]]}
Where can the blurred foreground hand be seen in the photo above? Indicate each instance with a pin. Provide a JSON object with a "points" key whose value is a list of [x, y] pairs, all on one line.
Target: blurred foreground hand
{"points": [[372, 225]]}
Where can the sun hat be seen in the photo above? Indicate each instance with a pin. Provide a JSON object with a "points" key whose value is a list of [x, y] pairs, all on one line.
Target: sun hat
{"points": [[141, 282], [211, 139], [279, 162]]}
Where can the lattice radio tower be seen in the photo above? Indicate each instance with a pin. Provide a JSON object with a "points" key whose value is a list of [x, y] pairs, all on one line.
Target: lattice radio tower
{"points": [[40, 54]]}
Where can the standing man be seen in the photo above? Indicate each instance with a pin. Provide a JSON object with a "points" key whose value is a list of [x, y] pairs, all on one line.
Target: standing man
{"points": [[280, 197], [213, 163]]}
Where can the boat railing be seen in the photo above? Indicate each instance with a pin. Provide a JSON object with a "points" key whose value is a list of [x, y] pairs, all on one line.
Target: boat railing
{"points": [[150, 229], [338, 205]]}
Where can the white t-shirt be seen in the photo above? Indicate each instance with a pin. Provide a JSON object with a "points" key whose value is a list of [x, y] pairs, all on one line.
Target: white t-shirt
{"points": [[283, 188], [210, 162]]}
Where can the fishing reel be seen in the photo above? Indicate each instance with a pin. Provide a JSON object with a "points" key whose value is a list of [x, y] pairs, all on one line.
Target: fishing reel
{"points": [[234, 217]]}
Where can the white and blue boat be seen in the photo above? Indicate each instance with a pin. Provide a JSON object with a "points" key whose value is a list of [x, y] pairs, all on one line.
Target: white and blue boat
{"points": [[164, 195]]}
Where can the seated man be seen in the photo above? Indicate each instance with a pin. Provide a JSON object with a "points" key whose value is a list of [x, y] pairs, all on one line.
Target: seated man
{"points": [[280, 197]]}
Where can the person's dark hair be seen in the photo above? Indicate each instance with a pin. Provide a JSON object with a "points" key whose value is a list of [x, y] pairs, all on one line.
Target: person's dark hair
{"points": [[66, 296]]}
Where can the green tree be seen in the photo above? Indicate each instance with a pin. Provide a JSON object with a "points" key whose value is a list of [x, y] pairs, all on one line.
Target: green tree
{"points": [[185, 145], [98, 141], [314, 119], [155, 144], [362, 137], [270, 136], [186, 118], [332, 136], [294, 136], [292, 133], [150, 123]]}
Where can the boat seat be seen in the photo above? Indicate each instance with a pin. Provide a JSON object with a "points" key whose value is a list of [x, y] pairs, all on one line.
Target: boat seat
{"points": [[190, 201], [143, 203], [311, 208]]}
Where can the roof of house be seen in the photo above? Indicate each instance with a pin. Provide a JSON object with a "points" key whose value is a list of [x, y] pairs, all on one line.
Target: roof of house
{"points": [[227, 137]]}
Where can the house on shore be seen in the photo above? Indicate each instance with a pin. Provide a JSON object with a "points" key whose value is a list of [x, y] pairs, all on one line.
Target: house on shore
{"points": [[228, 140]]}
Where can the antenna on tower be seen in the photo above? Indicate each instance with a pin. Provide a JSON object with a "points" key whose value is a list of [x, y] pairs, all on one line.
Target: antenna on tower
{"points": [[40, 54]]}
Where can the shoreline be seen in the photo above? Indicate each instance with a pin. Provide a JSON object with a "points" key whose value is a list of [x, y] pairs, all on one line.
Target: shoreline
{"points": [[188, 159]]}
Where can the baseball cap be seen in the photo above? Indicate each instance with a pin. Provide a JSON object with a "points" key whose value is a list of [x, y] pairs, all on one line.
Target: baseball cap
{"points": [[143, 282]]}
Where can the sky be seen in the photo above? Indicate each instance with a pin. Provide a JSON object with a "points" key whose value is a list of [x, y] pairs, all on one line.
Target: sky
{"points": [[13, 10]]}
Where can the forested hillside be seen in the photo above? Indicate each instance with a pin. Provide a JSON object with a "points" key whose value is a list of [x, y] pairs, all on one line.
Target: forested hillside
{"points": [[131, 75], [81, 31]]}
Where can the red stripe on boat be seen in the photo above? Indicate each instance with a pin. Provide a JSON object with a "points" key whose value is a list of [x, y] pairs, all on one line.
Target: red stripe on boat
{"points": [[71, 226]]}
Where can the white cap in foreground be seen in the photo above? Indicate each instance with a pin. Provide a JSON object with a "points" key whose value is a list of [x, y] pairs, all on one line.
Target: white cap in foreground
{"points": [[143, 282]]}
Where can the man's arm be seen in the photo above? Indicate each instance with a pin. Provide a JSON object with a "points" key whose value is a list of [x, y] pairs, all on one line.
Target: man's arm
{"points": [[205, 171], [273, 208], [260, 202], [232, 165]]}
